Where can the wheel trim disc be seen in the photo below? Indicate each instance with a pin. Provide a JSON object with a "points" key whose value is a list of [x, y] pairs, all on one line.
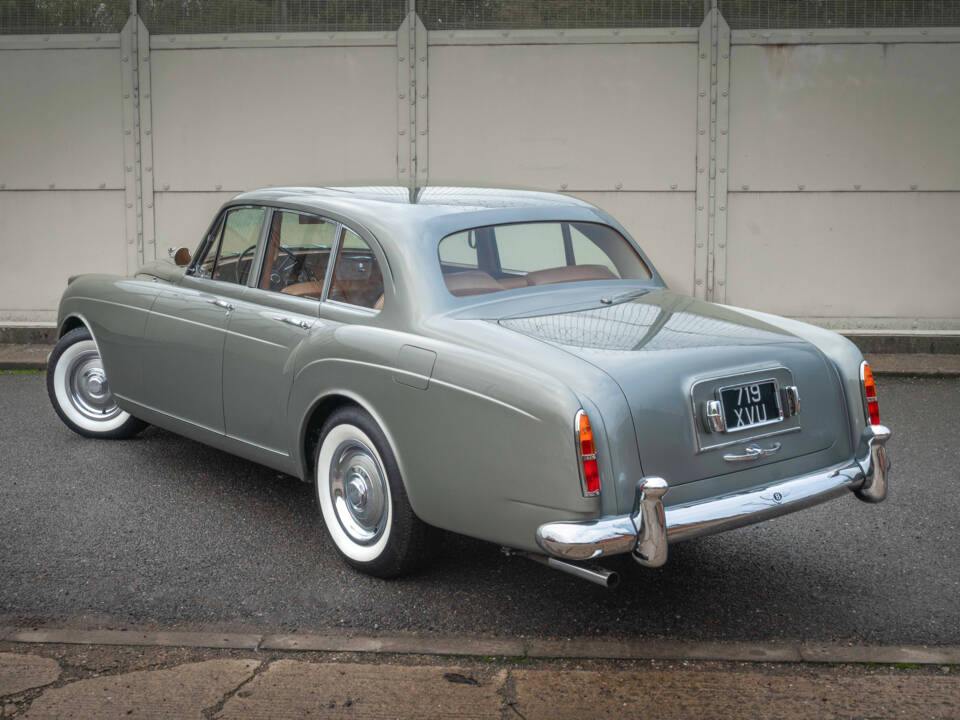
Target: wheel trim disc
{"points": [[88, 389], [358, 492]]}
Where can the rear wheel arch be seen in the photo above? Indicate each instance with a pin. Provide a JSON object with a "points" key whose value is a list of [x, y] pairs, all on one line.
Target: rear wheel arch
{"points": [[317, 415], [72, 323]]}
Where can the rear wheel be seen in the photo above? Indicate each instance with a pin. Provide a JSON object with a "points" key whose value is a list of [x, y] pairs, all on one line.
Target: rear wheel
{"points": [[78, 388], [363, 501]]}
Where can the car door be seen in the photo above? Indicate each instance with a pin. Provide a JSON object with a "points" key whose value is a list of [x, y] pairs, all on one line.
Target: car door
{"points": [[186, 327], [271, 322]]}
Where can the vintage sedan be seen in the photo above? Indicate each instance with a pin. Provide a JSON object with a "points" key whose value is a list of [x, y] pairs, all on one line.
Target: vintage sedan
{"points": [[504, 364]]}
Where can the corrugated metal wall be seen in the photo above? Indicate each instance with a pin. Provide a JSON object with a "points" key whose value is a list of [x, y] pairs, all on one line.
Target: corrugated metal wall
{"points": [[812, 171]]}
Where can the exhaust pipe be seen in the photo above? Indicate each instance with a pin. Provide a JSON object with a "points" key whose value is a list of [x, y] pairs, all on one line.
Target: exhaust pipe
{"points": [[598, 575]]}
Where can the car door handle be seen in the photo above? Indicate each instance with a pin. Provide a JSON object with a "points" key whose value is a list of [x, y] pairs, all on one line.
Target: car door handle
{"points": [[296, 322], [753, 452], [223, 304]]}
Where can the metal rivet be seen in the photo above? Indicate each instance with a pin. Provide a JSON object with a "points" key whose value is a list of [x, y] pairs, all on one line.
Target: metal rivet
{"points": [[699, 207], [149, 168], [103, 186], [721, 244], [148, 132], [129, 168], [619, 186], [856, 187], [724, 93], [702, 132], [403, 132], [126, 59], [800, 187], [219, 187], [723, 207], [726, 55], [149, 205], [673, 187], [129, 205], [52, 186], [700, 244], [913, 187], [402, 58], [402, 96], [563, 186], [403, 170], [166, 187], [744, 187], [699, 281], [723, 170], [703, 55], [720, 282]]}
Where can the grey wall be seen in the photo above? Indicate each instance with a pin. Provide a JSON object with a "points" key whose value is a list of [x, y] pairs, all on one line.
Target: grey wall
{"points": [[811, 173]]}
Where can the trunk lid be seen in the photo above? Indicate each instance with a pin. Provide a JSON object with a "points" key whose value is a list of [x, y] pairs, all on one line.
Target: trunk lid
{"points": [[670, 354]]}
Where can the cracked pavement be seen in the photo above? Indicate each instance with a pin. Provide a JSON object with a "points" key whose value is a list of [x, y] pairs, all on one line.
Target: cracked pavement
{"points": [[114, 682]]}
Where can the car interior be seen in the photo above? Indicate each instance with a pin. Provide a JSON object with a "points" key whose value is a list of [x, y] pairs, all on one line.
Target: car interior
{"points": [[506, 257]]}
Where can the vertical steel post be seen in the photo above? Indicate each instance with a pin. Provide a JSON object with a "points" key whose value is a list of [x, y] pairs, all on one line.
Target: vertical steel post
{"points": [[713, 103], [412, 102], [131, 137], [145, 107]]}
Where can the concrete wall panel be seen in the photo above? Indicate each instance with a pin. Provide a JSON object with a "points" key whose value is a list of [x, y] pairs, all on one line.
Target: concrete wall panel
{"points": [[60, 119], [183, 218], [845, 254], [845, 117], [584, 117], [48, 236], [245, 118]]}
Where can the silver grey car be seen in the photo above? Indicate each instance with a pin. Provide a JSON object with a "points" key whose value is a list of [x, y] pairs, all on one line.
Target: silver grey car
{"points": [[504, 364]]}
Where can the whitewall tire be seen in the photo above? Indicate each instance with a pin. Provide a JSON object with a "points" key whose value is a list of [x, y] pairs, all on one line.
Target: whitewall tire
{"points": [[362, 498], [79, 391]]}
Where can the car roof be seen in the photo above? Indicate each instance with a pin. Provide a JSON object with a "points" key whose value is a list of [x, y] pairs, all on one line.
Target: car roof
{"points": [[428, 199]]}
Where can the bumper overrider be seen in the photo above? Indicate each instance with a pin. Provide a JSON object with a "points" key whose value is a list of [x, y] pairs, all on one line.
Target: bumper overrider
{"points": [[649, 528]]}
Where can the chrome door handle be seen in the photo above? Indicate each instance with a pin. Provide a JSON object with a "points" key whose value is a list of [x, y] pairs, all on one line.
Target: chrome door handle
{"points": [[296, 322], [753, 452], [223, 304]]}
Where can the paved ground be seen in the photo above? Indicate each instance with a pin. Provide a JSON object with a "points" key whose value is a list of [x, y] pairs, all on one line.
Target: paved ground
{"points": [[163, 532], [63, 681]]}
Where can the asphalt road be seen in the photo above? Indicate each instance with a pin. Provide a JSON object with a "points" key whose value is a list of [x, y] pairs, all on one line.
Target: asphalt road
{"points": [[163, 532]]}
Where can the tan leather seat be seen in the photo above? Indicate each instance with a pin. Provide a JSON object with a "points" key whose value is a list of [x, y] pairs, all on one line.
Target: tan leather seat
{"points": [[511, 283], [312, 289], [569, 273], [471, 282], [378, 305]]}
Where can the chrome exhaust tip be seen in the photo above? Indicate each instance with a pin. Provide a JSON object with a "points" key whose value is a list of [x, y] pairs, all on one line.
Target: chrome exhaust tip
{"points": [[597, 575]]}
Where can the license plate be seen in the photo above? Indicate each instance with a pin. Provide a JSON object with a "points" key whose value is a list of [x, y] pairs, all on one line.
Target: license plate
{"points": [[750, 405]]}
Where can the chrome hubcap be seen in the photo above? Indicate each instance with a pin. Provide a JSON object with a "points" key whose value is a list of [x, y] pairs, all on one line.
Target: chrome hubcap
{"points": [[88, 389], [358, 491]]}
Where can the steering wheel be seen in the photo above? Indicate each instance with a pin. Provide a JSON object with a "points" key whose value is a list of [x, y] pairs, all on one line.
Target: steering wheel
{"points": [[242, 280]]}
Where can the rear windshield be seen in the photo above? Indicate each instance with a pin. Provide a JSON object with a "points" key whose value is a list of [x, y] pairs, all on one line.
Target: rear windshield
{"points": [[504, 257]]}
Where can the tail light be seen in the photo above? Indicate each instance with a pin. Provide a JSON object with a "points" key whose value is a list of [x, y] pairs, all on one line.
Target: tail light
{"points": [[870, 393], [590, 471]]}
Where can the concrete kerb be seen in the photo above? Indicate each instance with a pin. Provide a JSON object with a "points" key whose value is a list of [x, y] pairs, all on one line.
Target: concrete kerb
{"points": [[577, 648]]}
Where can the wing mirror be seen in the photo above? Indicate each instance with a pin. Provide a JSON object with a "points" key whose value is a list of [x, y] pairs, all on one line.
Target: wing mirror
{"points": [[181, 256]]}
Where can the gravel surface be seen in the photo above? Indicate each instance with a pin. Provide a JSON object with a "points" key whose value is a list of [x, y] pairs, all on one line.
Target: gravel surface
{"points": [[161, 531]]}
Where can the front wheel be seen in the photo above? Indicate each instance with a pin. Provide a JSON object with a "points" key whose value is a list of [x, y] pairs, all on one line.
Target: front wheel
{"points": [[78, 388], [363, 501]]}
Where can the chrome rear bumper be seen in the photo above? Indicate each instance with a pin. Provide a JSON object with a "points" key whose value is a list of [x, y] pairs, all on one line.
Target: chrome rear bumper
{"points": [[647, 530]]}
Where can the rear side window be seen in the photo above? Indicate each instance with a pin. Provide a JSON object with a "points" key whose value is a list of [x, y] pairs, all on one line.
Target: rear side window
{"points": [[506, 257], [357, 279]]}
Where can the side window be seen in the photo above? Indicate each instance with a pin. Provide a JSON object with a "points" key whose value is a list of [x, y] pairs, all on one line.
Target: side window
{"points": [[530, 246], [230, 257], [297, 254], [357, 279]]}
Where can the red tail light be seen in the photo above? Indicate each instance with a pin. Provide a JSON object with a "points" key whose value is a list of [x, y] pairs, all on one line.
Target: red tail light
{"points": [[870, 393], [588, 455]]}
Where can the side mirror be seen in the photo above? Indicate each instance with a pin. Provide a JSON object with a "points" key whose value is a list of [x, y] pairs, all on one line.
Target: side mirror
{"points": [[181, 256]]}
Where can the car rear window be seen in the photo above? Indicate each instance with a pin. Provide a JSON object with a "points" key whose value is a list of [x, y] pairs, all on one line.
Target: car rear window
{"points": [[506, 257]]}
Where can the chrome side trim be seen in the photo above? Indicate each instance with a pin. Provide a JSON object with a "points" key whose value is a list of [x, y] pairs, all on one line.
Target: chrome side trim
{"points": [[865, 475]]}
